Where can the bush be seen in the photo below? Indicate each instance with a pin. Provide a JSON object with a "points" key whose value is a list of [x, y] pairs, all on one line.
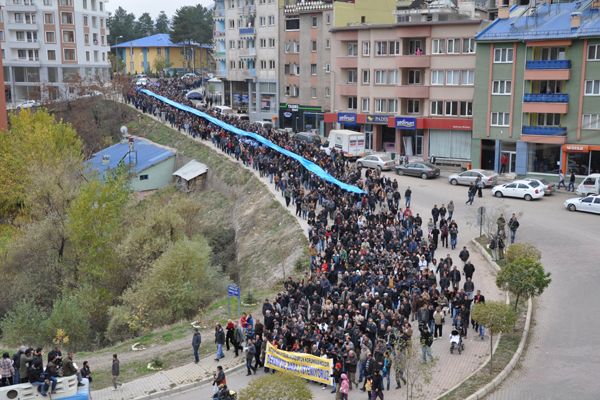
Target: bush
{"points": [[71, 317], [522, 250], [280, 386], [24, 325], [119, 324]]}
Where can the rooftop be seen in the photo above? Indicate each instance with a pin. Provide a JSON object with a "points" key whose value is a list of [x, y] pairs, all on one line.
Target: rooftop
{"points": [[465, 20], [544, 21], [147, 154], [158, 40], [191, 170]]}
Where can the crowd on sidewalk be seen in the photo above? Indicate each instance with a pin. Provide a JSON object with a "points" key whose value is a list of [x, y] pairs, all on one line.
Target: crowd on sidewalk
{"points": [[378, 271]]}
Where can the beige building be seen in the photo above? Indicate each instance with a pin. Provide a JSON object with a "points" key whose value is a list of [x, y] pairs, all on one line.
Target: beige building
{"points": [[409, 85]]}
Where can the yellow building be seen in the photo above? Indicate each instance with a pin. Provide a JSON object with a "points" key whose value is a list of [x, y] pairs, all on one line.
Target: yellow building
{"points": [[155, 53], [363, 12]]}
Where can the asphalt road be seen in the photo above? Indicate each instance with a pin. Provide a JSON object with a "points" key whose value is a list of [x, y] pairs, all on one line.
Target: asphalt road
{"points": [[562, 360]]}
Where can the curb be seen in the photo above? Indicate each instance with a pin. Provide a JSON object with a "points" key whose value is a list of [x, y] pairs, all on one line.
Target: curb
{"points": [[498, 379]]}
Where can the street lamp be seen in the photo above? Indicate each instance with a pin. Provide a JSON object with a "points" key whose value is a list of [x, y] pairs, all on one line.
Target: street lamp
{"points": [[117, 52]]}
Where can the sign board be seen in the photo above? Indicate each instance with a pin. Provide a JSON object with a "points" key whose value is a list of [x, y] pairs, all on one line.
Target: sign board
{"points": [[302, 365], [346, 118], [377, 119], [576, 148], [287, 114], [408, 123], [233, 291]]}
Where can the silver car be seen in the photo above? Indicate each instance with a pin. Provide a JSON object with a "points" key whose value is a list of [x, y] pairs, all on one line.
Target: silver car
{"points": [[490, 178], [382, 162]]}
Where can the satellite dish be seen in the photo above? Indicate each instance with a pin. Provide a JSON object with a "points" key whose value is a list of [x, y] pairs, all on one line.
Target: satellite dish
{"points": [[124, 130]]}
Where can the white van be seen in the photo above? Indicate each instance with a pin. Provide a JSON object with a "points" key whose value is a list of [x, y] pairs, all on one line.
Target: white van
{"points": [[223, 110], [350, 143], [265, 124], [590, 185]]}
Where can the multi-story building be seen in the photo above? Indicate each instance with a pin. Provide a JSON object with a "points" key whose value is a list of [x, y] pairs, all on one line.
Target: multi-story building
{"points": [[408, 85], [305, 54], [537, 96], [151, 53], [246, 55], [49, 44]]}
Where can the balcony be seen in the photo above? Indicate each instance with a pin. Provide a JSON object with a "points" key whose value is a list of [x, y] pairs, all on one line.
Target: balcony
{"points": [[422, 61], [219, 54], [252, 72], [347, 62], [412, 91], [555, 103], [545, 130], [550, 70], [247, 31], [346, 90]]}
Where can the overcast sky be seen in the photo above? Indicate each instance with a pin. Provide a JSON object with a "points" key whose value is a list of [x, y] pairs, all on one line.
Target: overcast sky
{"points": [[154, 6]]}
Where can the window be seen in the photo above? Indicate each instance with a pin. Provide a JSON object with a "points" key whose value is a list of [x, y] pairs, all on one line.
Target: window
{"points": [[437, 107], [271, 64], [438, 46], [502, 87], [451, 108], [327, 68], [364, 105], [592, 88], [262, 43], [262, 21], [394, 48], [231, 23], [452, 77], [380, 77], [380, 105], [271, 20], [594, 52], [591, 121], [466, 109], [352, 49], [328, 19], [503, 55], [292, 24], [66, 18], [85, 4], [144, 177], [352, 103], [327, 91], [327, 43], [87, 56], [67, 3], [453, 46], [381, 48], [468, 77], [500, 119], [352, 76], [469, 45], [263, 64], [313, 92], [366, 48], [69, 54], [313, 69], [68, 37], [366, 76], [414, 77], [392, 105], [48, 18], [546, 120], [85, 20], [413, 106], [86, 40], [51, 55], [271, 42], [437, 77], [49, 2], [313, 46], [314, 22], [393, 77], [50, 37]]}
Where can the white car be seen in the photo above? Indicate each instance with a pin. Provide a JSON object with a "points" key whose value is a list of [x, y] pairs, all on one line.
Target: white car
{"points": [[587, 204], [490, 178], [527, 190], [27, 104], [141, 82], [382, 162]]}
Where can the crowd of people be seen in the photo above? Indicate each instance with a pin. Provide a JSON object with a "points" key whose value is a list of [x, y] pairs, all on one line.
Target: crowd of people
{"points": [[379, 272]]}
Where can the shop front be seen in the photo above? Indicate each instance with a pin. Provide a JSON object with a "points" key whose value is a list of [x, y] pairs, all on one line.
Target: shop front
{"points": [[301, 118], [580, 158]]}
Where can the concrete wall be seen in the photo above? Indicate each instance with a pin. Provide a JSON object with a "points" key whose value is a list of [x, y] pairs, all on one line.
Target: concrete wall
{"points": [[159, 175], [373, 11]]}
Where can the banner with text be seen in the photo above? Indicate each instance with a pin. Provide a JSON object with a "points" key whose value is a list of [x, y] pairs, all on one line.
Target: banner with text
{"points": [[302, 365]]}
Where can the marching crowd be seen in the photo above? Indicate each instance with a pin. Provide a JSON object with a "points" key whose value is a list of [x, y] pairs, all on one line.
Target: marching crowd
{"points": [[379, 273]]}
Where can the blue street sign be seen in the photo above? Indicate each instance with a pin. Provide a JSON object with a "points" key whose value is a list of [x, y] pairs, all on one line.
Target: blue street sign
{"points": [[233, 291]]}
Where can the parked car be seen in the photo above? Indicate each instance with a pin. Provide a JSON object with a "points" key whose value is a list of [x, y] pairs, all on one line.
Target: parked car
{"points": [[423, 169], [142, 82], [589, 185], [382, 162], [490, 178], [586, 204], [308, 137], [189, 75], [27, 104], [522, 189], [549, 187]]}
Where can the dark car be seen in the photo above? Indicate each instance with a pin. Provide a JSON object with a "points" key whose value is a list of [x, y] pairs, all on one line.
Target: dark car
{"points": [[308, 137], [423, 169]]}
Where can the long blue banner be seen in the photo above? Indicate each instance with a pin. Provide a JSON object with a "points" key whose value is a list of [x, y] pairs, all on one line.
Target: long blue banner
{"points": [[309, 165]]}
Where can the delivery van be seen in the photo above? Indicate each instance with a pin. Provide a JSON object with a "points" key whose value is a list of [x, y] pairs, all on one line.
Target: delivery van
{"points": [[350, 143], [590, 185]]}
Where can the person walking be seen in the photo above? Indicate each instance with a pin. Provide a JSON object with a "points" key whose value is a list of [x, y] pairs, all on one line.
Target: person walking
{"points": [[7, 369], [344, 387], [471, 194], [377, 386], [407, 197], [219, 378], [438, 319], [450, 209], [219, 341], [250, 353], [561, 180], [426, 342], [513, 225], [480, 185], [571, 187], [196, 341], [116, 371], [503, 163]]}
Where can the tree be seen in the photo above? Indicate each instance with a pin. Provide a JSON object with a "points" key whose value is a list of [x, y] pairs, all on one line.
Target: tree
{"points": [[192, 24], [121, 23], [522, 250], [160, 64], [144, 25], [523, 277], [281, 386], [497, 317], [162, 23]]}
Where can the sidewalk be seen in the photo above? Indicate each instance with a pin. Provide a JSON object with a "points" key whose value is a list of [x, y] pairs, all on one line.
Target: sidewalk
{"points": [[450, 370]]}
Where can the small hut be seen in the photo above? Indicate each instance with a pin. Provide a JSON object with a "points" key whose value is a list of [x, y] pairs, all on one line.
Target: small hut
{"points": [[191, 177]]}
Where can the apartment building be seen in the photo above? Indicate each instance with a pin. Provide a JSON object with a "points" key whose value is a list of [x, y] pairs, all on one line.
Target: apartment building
{"points": [[538, 89], [410, 85], [305, 54], [50, 46], [246, 55]]}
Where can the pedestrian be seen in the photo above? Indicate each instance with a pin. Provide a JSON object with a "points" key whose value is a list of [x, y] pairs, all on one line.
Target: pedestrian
{"points": [[464, 254], [250, 354], [7, 369], [407, 197], [219, 341], [561, 180], [471, 194], [438, 319], [571, 187], [513, 225], [501, 223], [480, 185], [229, 335], [503, 163], [69, 368], [426, 341], [469, 269], [377, 386], [386, 371], [238, 338], [344, 387], [450, 209], [435, 214], [453, 235], [86, 372], [115, 370], [218, 378], [196, 341]]}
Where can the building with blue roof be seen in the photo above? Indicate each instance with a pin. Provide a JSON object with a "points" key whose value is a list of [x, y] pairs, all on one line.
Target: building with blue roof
{"points": [[147, 54], [150, 165], [537, 89]]}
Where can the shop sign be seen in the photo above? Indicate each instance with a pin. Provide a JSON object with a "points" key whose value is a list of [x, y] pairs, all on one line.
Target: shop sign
{"points": [[377, 119], [576, 148], [293, 107], [406, 123], [347, 118], [287, 114]]}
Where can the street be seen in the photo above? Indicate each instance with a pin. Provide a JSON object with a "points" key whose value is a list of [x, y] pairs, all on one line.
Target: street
{"points": [[560, 358]]}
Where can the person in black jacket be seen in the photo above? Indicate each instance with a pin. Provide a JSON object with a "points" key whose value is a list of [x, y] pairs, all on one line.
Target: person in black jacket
{"points": [[469, 270], [377, 386], [196, 341], [220, 341]]}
